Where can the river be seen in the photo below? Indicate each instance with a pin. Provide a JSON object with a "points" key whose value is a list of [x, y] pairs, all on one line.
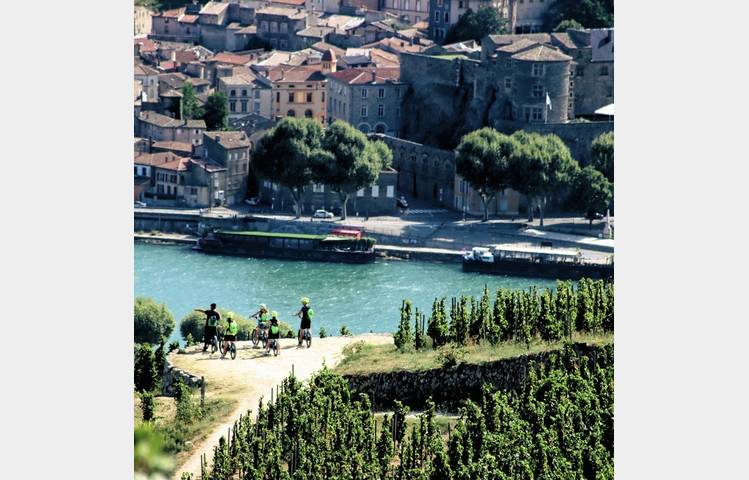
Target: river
{"points": [[362, 297]]}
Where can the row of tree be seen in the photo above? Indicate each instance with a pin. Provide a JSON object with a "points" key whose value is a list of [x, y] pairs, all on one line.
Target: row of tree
{"points": [[514, 315], [298, 152], [537, 166], [559, 425]]}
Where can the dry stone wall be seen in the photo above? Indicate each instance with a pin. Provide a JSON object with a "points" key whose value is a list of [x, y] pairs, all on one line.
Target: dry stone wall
{"points": [[170, 376], [450, 387]]}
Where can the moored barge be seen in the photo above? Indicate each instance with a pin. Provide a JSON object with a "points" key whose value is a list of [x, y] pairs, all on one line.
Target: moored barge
{"points": [[531, 261], [288, 246]]}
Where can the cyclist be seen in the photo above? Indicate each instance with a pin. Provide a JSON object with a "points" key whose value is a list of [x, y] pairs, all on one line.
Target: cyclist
{"points": [[305, 313], [262, 319], [274, 332], [230, 335], [211, 320]]}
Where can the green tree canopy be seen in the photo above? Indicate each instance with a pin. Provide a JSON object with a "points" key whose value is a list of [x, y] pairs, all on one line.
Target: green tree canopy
{"points": [[602, 154], [349, 161], [145, 372], [284, 155], [483, 161], [152, 321], [591, 193], [565, 24], [476, 25], [190, 106], [540, 168], [588, 13], [215, 111]]}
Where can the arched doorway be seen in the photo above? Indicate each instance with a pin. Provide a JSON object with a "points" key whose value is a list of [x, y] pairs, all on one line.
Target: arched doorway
{"points": [[380, 128], [308, 113], [291, 113]]}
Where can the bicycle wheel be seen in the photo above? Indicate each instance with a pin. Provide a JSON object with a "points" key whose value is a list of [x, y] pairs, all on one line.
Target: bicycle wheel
{"points": [[308, 338], [233, 351], [255, 338], [275, 348], [214, 345]]}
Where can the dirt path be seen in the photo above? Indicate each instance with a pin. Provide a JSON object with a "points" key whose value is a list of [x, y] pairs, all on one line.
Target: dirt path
{"points": [[252, 375]]}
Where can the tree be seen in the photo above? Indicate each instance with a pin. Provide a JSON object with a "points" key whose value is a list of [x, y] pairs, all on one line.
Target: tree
{"points": [[152, 321], [589, 13], [540, 168], [145, 369], [402, 337], [476, 25], [285, 155], [215, 112], [602, 154], [591, 193], [349, 161], [190, 106], [483, 160], [564, 25]]}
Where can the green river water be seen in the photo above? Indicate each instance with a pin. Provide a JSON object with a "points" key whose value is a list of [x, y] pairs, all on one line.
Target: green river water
{"points": [[362, 297]]}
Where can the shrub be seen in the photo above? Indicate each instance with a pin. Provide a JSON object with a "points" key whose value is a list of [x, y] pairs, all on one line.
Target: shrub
{"points": [[289, 334], [152, 321], [187, 408], [451, 355], [150, 457], [160, 356], [322, 333], [146, 405], [345, 332], [173, 346], [145, 369], [194, 323]]}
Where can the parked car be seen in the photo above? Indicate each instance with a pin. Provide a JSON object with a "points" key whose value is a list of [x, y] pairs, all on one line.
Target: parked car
{"points": [[139, 204], [253, 201], [322, 214], [401, 202]]}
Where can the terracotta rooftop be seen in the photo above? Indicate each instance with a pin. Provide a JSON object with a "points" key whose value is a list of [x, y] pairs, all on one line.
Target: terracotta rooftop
{"points": [[383, 59], [362, 76], [229, 140], [214, 8], [296, 3], [506, 39], [324, 46], [188, 19], [285, 74], [231, 58], [542, 53], [178, 165], [291, 13], [168, 122], [146, 45], [173, 13], [140, 69], [182, 147], [207, 165], [156, 159]]}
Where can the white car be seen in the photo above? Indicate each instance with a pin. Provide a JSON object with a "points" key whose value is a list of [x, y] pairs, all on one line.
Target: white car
{"points": [[322, 214]]}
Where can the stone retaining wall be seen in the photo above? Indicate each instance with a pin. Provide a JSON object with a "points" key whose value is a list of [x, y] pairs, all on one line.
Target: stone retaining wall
{"points": [[449, 387], [170, 376]]}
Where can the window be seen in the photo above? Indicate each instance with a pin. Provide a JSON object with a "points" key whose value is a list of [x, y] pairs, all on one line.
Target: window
{"points": [[508, 82], [232, 93], [381, 92], [436, 16], [244, 105], [256, 93], [418, 9], [537, 70], [308, 113], [538, 91], [447, 17], [257, 107], [290, 113], [406, 5], [439, 3], [273, 27], [284, 28], [318, 188], [375, 191], [397, 92], [232, 105], [364, 93], [363, 111], [381, 110], [390, 191], [360, 192], [322, 96], [136, 170], [309, 97], [291, 97], [278, 97], [244, 93], [604, 70], [460, 4], [537, 114], [264, 26]]}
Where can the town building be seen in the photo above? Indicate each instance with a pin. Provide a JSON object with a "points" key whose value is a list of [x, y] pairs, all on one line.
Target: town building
{"points": [[232, 151], [300, 91], [175, 25], [141, 20], [246, 93], [407, 11], [278, 26], [526, 16], [157, 127], [367, 98], [444, 13], [149, 79]]}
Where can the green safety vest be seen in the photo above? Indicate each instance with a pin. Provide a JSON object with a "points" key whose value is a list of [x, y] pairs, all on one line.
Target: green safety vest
{"points": [[274, 329], [233, 328], [264, 317]]}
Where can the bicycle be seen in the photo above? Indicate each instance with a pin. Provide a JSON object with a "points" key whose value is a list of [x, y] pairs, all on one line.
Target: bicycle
{"points": [[306, 337], [263, 337], [232, 350], [274, 346]]}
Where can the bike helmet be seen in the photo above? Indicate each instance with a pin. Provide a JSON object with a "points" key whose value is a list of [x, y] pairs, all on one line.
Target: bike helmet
{"points": [[229, 315], [305, 300], [263, 306], [274, 314]]}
